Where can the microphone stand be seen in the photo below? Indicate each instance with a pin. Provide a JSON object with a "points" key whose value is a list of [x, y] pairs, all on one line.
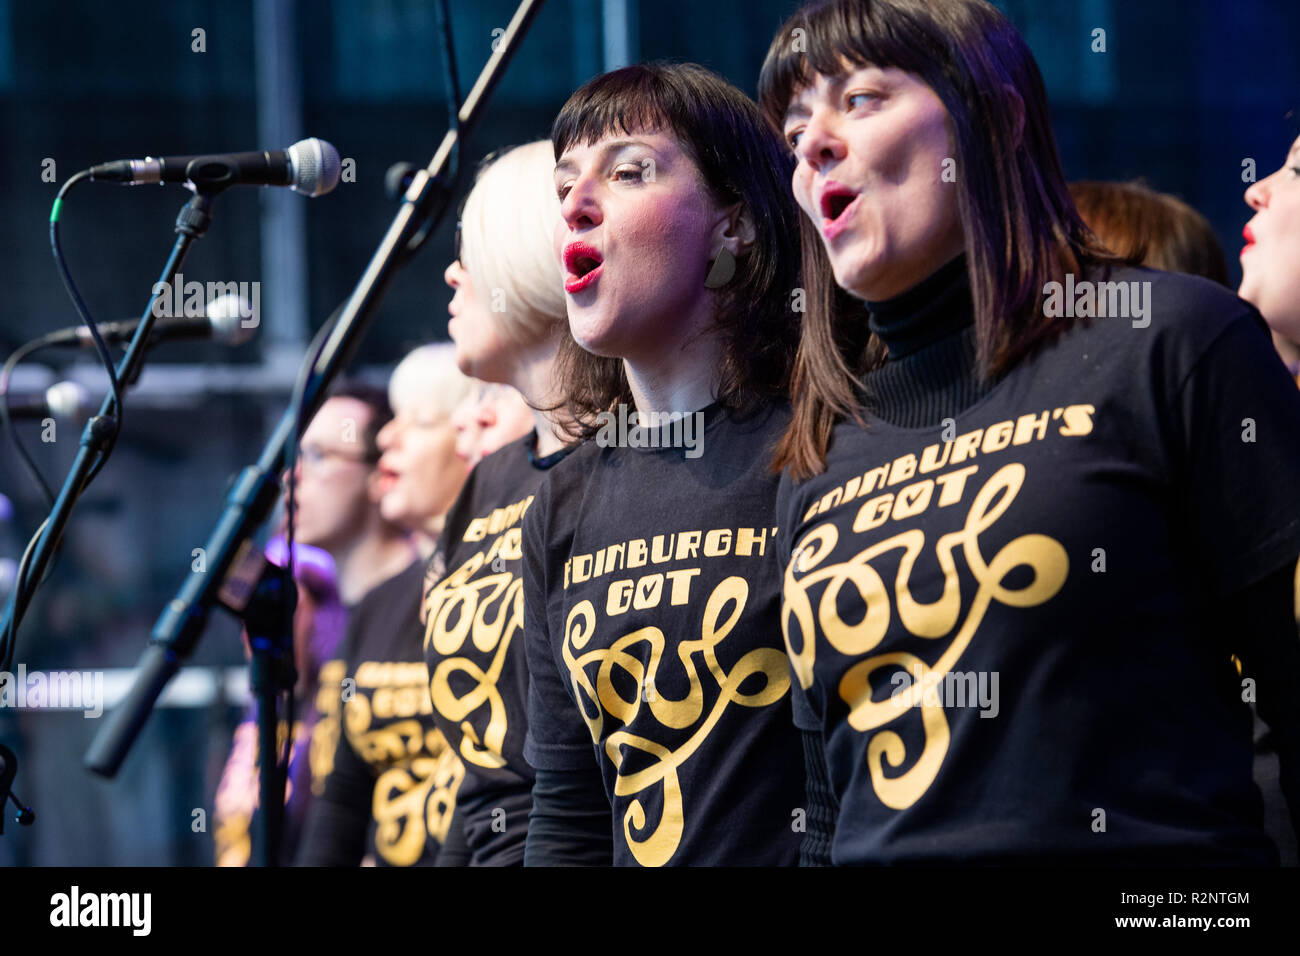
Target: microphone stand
{"points": [[191, 223], [257, 488]]}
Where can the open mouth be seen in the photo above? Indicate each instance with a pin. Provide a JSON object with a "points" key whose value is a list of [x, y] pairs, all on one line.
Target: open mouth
{"points": [[583, 263], [836, 202]]}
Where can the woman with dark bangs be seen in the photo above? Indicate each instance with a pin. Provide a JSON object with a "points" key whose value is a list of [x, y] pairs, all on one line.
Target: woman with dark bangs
{"points": [[659, 684], [1034, 497]]}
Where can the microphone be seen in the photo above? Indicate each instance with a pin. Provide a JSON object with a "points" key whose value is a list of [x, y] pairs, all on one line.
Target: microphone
{"points": [[222, 322], [60, 400], [309, 166]]}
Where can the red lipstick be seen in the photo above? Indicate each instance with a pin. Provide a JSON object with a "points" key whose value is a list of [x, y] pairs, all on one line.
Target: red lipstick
{"points": [[584, 263], [1250, 240]]}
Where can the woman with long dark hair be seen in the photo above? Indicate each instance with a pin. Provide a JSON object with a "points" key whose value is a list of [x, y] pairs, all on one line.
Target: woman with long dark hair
{"points": [[659, 684], [1034, 498]]}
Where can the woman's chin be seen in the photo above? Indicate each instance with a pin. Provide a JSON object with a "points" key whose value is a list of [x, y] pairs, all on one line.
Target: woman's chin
{"points": [[393, 510], [598, 338]]}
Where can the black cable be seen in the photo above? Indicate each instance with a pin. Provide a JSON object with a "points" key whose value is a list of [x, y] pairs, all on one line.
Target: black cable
{"points": [[8, 642], [22, 590], [5, 374], [101, 347]]}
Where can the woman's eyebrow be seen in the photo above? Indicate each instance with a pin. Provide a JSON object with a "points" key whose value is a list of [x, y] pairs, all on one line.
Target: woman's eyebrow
{"points": [[607, 150], [798, 108], [618, 145]]}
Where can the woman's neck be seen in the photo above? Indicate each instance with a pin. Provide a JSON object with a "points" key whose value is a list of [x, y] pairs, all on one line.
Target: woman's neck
{"points": [[686, 387], [682, 374], [533, 376], [375, 558]]}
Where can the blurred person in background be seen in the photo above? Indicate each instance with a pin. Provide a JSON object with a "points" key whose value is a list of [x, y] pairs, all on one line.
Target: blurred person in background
{"points": [[391, 787], [419, 474], [1160, 231], [465, 420], [1151, 228], [490, 417], [338, 491], [503, 416], [318, 623], [343, 546]]}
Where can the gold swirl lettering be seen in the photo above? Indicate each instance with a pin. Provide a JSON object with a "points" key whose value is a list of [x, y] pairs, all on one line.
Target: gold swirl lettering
{"points": [[721, 614], [470, 601], [1043, 555], [414, 800]]}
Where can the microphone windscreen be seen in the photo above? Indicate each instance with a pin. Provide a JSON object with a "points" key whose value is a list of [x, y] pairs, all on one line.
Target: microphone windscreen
{"points": [[68, 400], [316, 166], [229, 314]]}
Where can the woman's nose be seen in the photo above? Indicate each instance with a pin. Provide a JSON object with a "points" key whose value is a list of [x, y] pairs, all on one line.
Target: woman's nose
{"points": [[1257, 194], [819, 144], [579, 208]]}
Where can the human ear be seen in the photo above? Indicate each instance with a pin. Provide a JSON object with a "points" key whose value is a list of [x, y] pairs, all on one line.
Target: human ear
{"points": [[735, 230]]}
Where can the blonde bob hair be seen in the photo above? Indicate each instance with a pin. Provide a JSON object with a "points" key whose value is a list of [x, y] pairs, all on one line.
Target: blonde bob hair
{"points": [[427, 385], [507, 229]]}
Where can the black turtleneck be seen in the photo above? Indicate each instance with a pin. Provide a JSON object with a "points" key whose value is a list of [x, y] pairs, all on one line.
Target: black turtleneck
{"points": [[931, 372], [1094, 537]]}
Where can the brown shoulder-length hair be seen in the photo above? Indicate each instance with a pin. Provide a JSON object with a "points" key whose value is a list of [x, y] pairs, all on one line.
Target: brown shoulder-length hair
{"points": [[741, 159], [1020, 225], [1154, 228]]}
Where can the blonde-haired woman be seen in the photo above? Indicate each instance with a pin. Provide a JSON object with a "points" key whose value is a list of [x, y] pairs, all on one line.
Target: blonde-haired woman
{"points": [[508, 299], [392, 788], [507, 320], [420, 474]]}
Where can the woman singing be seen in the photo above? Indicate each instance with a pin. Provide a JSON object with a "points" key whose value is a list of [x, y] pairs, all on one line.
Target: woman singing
{"points": [[1034, 498], [507, 319], [390, 791], [1270, 261], [660, 687]]}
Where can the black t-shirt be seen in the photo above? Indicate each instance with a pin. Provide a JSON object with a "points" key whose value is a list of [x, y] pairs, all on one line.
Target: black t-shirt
{"points": [[392, 787], [1048, 564], [472, 615], [651, 612]]}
